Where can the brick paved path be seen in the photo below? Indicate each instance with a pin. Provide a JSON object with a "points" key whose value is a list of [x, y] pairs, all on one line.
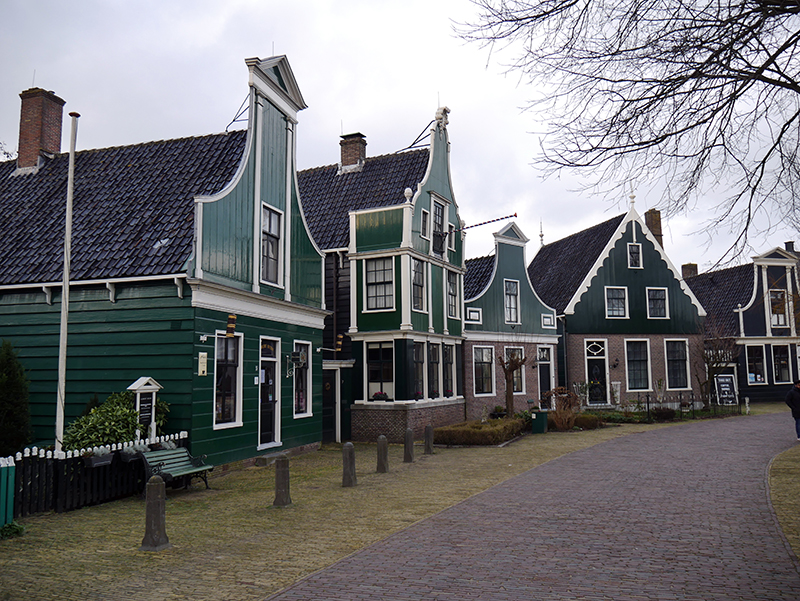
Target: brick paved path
{"points": [[678, 513]]}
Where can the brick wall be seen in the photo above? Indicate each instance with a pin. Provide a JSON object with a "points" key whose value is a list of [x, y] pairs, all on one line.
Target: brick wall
{"points": [[615, 350], [370, 420]]}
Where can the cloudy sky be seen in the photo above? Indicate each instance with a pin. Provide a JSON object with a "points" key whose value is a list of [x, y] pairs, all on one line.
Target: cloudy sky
{"points": [[147, 70]]}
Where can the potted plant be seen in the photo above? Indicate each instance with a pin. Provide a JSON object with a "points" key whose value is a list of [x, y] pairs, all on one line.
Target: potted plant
{"points": [[98, 456], [499, 412], [131, 452], [380, 396]]}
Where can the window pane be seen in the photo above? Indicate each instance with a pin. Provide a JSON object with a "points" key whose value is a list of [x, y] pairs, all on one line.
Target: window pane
{"points": [[634, 255], [637, 365], [615, 301], [755, 364], [677, 369], [657, 303], [483, 370], [780, 358]]}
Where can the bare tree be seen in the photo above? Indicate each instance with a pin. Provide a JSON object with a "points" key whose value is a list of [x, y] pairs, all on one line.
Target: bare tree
{"points": [[5, 153], [719, 353], [510, 363], [700, 95]]}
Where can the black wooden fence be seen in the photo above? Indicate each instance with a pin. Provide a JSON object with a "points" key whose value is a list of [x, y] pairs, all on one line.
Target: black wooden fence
{"points": [[44, 482]]}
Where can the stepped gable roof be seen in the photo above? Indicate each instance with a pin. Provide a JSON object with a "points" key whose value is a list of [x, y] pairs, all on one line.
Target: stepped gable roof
{"points": [[478, 275], [133, 209], [559, 268], [721, 292], [327, 196]]}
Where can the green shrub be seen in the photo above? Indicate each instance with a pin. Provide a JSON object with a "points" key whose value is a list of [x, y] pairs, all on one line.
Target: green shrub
{"points": [[491, 432], [115, 420], [587, 421], [15, 415], [11, 530], [662, 414]]}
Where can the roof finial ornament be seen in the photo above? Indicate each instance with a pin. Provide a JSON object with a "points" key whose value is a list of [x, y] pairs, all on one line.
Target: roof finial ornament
{"points": [[441, 115], [541, 233], [632, 196]]}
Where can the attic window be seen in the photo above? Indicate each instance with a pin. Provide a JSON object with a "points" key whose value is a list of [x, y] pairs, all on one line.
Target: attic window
{"points": [[451, 237], [438, 228], [616, 303], [423, 228], [777, 308], [270, 244], [634, 256]]}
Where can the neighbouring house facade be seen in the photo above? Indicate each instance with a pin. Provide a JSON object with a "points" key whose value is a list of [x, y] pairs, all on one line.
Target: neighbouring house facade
{"points": [[629, 324], [394, 274], [191, 264], [503, 316], [753, 321]]}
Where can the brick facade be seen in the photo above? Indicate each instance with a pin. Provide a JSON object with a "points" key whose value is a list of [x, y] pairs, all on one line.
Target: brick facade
{"points": [[477, 404], [370, 420], [615, 352]]}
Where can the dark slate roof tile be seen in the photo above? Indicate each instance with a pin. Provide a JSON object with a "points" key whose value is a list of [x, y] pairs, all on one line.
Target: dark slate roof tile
{"points": [[560, 267], [720, 292], [327, 197], [479, 272], [126, 199]]}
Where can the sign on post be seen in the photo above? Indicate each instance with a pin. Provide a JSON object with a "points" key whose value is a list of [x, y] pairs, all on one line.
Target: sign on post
{"points": [[726, 389], [145, 390]]}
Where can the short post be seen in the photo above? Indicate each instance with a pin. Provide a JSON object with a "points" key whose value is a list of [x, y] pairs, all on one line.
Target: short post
{"points": [[282, 496], [429, 439], [383, 455], [348, 465], [155, 534], [408, 454]]}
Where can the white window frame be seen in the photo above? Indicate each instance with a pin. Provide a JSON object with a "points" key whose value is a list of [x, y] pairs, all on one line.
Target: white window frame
{"points": [[666, 302], [539, 361], [433, 225], [521, 369], [309, 381], [425, 224], [785, 313], [424, 264], [549, 321], [393, 392], [277, 361], [279, 283], [788, 362], [455, 314], [605, 298], [637, 244], [366, 285], [505, 306], [607, 375], [451, 237], [688, 364], [237, 422], [474, 387], [471, 312], [649, 366], [747, 347]]}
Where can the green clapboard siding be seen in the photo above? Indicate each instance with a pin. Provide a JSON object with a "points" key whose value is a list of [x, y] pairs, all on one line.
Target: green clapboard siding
{"points": [[307, 265], [379, 230], [590, 310], [148, 331]]}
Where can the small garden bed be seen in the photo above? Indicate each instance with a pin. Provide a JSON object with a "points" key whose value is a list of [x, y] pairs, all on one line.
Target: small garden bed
{"points": [[483, 433]]}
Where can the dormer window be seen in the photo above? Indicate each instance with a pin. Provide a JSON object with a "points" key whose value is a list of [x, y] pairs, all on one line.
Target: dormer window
{"points": [[634, 255], [778, 309]]}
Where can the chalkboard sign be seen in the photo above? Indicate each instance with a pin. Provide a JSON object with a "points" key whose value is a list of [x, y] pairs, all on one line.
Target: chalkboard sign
{"points": [[146, 401], [726, 389]]}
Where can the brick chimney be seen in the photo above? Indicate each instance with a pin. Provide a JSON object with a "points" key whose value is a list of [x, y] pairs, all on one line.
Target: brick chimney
{"points": [[790, 246], [652, 220], [688, 270], [354, 152], [39, 126]]}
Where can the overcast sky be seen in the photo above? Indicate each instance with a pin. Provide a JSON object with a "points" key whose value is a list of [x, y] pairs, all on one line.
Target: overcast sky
{"points": [[148, 70]]}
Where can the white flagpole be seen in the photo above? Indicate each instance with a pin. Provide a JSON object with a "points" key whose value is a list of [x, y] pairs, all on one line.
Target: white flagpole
{"points": [[62, 340]]}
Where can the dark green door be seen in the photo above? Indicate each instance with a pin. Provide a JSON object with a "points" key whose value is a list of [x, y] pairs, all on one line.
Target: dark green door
{"points": [[329, 405]]}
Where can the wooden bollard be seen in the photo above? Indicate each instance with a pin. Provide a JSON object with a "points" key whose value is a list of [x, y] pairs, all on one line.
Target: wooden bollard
{"points": [[429, 439], [383, 454], [282, 496], [155, 533], [348, 465], [408, 454]]}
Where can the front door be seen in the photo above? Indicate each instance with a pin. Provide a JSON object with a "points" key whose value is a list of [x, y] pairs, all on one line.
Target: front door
{"points": [[329, 405], [596, 372], [268, 403]]}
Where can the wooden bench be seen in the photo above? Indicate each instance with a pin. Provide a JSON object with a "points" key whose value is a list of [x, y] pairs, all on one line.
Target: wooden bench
{"points": [[172, 464]]}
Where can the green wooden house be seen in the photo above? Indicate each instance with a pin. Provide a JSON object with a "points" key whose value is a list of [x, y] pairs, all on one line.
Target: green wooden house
{"points": [[394, 282], [630, 326], [191, 264], [504, 316], [753, 319]]}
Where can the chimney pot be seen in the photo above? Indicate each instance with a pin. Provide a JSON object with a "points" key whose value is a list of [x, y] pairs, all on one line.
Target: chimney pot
{"points": [[688, 270], [354, 150], [652, 220], [39, 126]]}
